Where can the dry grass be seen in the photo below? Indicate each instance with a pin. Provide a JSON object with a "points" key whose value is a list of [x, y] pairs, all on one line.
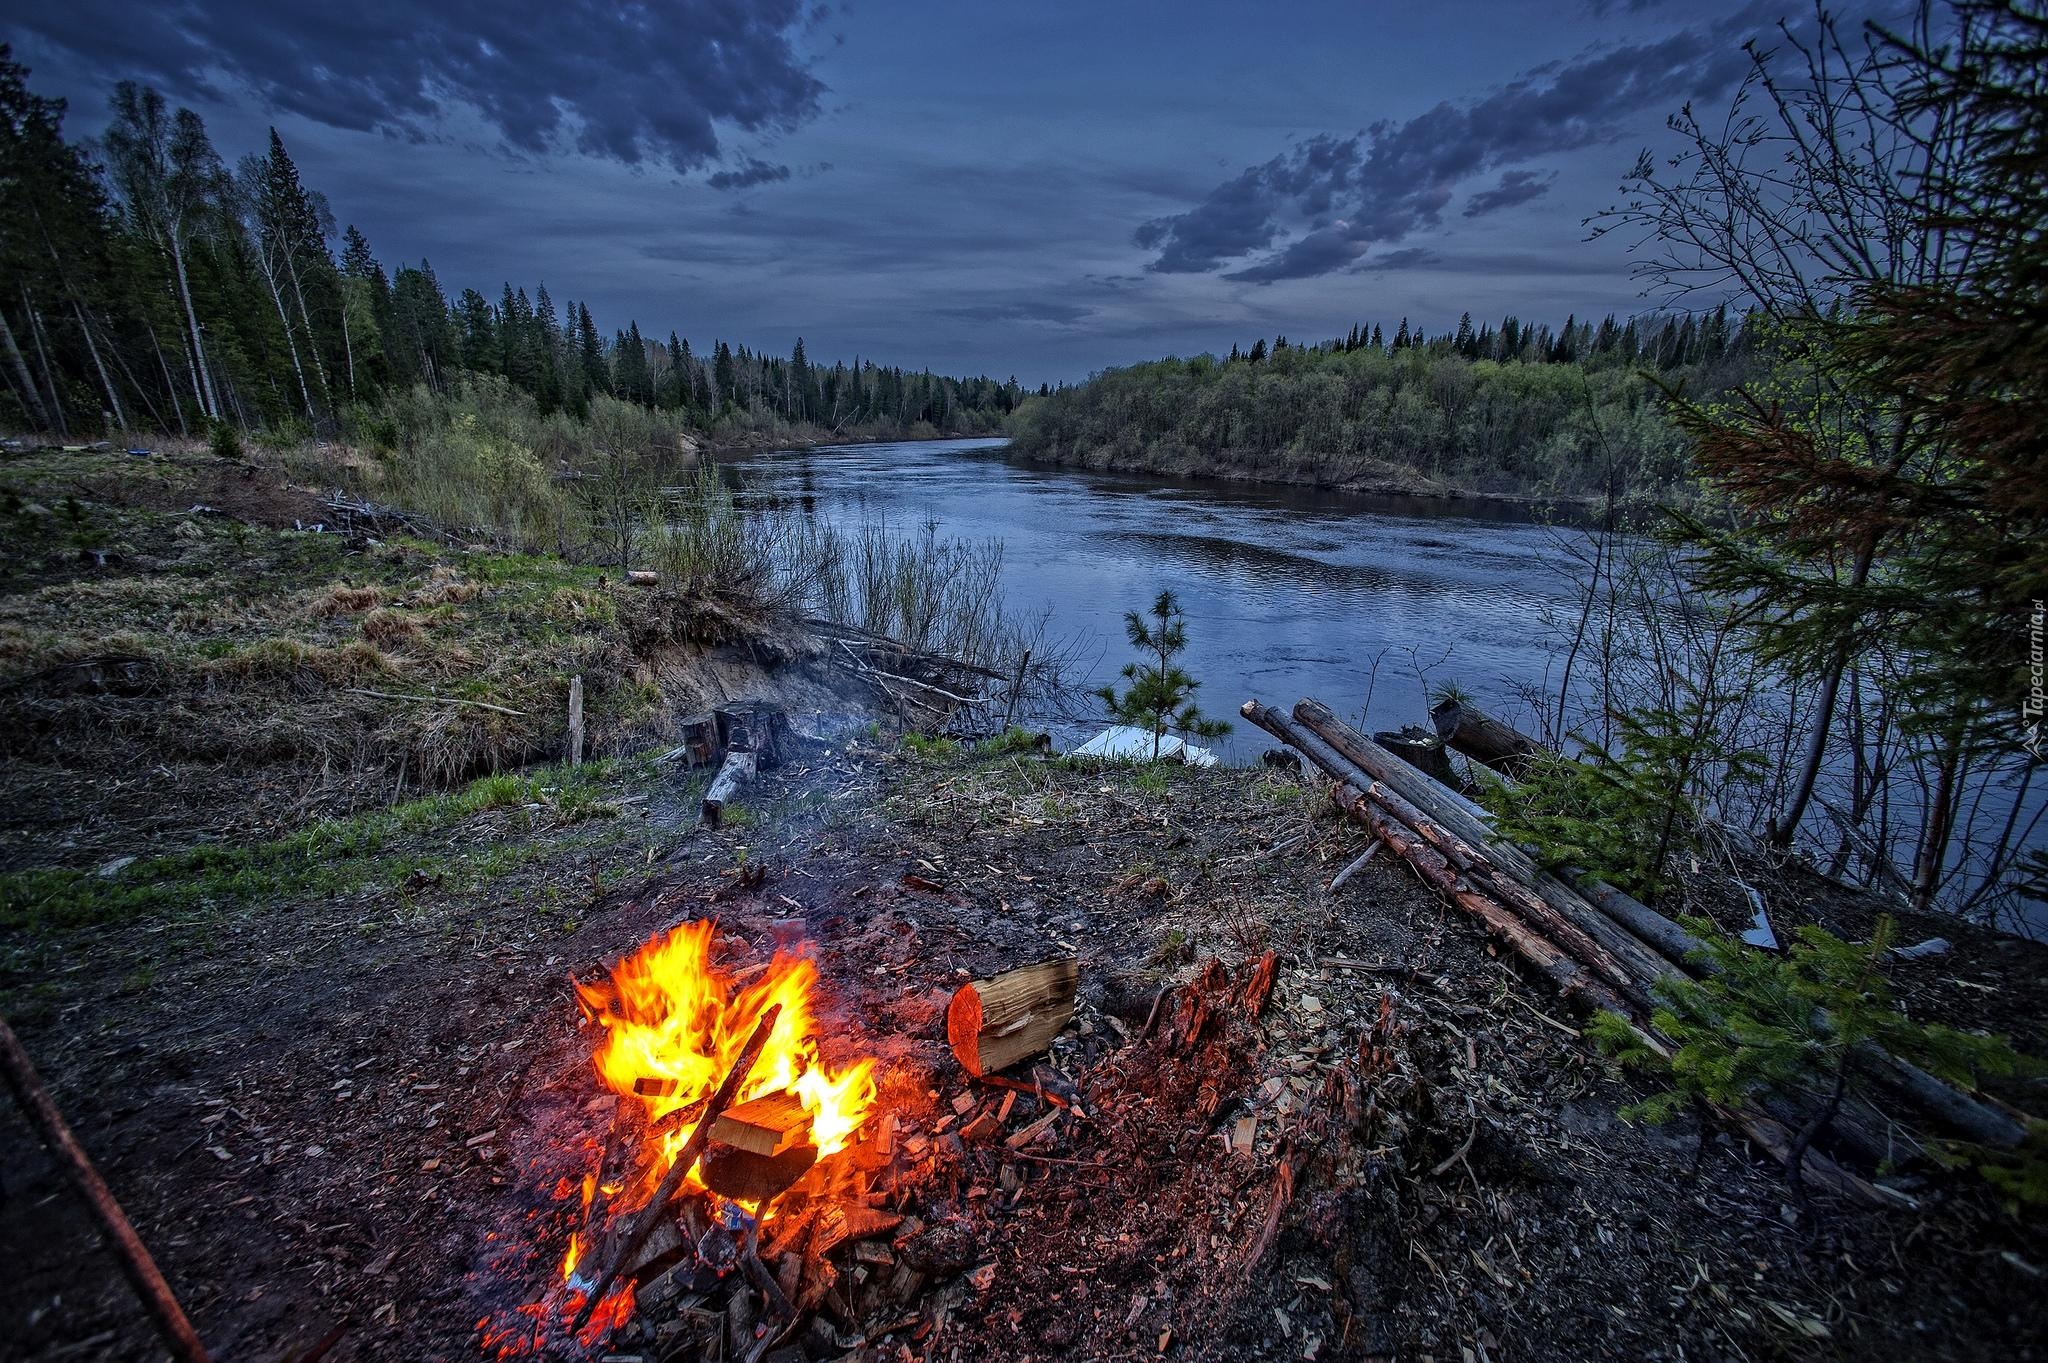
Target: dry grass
{"points": [[392, 628], [342, 599]]}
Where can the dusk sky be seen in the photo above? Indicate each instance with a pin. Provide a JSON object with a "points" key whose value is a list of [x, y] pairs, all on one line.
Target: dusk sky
{"points": [[1038, 190]]}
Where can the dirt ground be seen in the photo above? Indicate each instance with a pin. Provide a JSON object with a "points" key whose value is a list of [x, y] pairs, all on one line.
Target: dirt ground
{"points": [[340, 1110]]}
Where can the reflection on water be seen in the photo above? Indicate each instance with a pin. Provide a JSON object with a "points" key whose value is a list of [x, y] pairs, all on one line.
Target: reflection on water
{"points": [[1289, 592]]}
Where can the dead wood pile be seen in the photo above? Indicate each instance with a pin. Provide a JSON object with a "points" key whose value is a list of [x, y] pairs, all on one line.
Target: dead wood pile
{"points": [[1598, 947]]}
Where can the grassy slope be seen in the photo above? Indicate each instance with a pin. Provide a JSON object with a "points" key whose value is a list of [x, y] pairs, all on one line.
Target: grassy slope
{"points": [[177, 660]]}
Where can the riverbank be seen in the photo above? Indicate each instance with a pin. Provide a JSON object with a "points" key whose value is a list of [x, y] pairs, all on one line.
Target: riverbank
{"points": [[333, 1107], [1390, 480]]}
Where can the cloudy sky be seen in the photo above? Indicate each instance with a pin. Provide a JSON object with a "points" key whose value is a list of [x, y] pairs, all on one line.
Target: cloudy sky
{"points": [[1035, 189]]}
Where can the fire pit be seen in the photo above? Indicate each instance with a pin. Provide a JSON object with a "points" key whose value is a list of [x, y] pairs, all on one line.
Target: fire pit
{"points": [[724, 1111]]}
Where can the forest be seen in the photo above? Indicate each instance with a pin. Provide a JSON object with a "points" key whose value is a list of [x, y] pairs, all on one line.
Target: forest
{"points": [[153, 287], [1576, 411]]}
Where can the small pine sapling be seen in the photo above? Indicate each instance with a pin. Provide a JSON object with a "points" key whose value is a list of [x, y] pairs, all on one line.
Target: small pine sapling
{"points": [[1161, 696]]}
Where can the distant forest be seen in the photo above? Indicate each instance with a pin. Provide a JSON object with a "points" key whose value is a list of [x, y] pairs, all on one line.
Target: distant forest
{"points": [[1570, 412], [149, 286]]}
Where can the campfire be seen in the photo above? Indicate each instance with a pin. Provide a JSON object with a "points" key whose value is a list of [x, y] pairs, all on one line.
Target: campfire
{"points": [[724, 1102]]}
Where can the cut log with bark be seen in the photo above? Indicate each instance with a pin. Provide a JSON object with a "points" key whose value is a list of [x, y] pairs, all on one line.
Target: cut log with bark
{"points": [[732, 778], [767, 1125], [1478, 735], [994, 1023], [1422, 750], [698, 737]]}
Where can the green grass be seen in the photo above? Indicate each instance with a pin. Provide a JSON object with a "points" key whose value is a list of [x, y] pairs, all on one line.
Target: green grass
{"points": [[334, 856]]}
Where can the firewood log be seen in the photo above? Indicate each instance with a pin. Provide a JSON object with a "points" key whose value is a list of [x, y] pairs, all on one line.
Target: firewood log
{"points": [[1480, 736], [994, 1023], [732, 777], [767, 1125]]}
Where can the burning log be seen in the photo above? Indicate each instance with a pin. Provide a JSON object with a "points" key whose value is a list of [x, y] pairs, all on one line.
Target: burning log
{"points": [[994, 1023], [767, 1125], [1480, 736], [732, 777], [686, 1159], [752, 1178]]}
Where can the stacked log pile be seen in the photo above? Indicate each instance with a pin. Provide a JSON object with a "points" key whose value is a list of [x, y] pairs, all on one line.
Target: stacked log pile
{"points": [[1600, 948]]}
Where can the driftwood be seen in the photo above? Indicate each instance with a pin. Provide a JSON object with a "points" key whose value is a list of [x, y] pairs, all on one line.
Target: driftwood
{"points": [[686, 1159], [993, 1023], [726, 786], [136, 1264], [1483, 738]]}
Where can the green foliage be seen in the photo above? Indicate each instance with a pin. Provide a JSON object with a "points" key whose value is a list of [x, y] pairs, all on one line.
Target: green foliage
{"points": [[333, 856], [224, 441], [1761, 1026], [1622, 816], [1510, 420], [1161, 696], [1010, 740], [930, 747]]}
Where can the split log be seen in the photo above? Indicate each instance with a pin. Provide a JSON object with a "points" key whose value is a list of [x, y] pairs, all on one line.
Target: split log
{"points": [[767, 1125], [755, 1179], [1483, 738], [1422, 750], [726, 786], [993, 1023]]}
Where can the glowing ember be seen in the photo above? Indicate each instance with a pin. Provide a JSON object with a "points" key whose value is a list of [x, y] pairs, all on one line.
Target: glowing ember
{"points": [[674, 1023]]}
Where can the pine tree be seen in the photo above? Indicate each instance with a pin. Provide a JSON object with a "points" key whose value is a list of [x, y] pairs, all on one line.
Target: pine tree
{"points": [[1161, 696]]}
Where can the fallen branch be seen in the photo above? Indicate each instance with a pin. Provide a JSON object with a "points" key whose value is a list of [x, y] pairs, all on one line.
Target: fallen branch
{"points": [[136, 1264], [434, 700]]}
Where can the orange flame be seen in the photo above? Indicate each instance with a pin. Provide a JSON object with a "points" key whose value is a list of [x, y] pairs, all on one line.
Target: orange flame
{"points": [[674, 1023]]}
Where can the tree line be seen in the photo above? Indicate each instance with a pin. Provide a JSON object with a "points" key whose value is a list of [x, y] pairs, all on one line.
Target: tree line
{"points": [[151, 286], [1576, 410]]}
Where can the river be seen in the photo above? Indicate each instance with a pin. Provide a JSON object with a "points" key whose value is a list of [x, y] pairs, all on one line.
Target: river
{"points": [[1360, 601]]}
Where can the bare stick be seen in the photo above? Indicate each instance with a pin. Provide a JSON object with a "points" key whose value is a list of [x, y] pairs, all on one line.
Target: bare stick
{"points": [[1337, 881], [686, 1160], [140, 1269], [434, 700]]}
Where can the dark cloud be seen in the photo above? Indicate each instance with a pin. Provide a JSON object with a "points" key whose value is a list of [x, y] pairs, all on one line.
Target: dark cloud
{"points": [[632, 83], [1515, 187], [1346, 195], [1407, 258], [1021, 310], [749, 173]]}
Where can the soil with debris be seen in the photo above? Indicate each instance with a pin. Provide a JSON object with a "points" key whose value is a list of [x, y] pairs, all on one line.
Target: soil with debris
{"points": [[336, 1117]]}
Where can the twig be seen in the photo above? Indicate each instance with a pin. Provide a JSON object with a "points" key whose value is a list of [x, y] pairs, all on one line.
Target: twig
{"points": [[686, 1160], [1371, 851], [436, 700], [136, 1263]]}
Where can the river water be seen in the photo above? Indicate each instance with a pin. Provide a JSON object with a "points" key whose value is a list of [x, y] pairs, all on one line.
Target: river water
{"points": [[1359, 601]]}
